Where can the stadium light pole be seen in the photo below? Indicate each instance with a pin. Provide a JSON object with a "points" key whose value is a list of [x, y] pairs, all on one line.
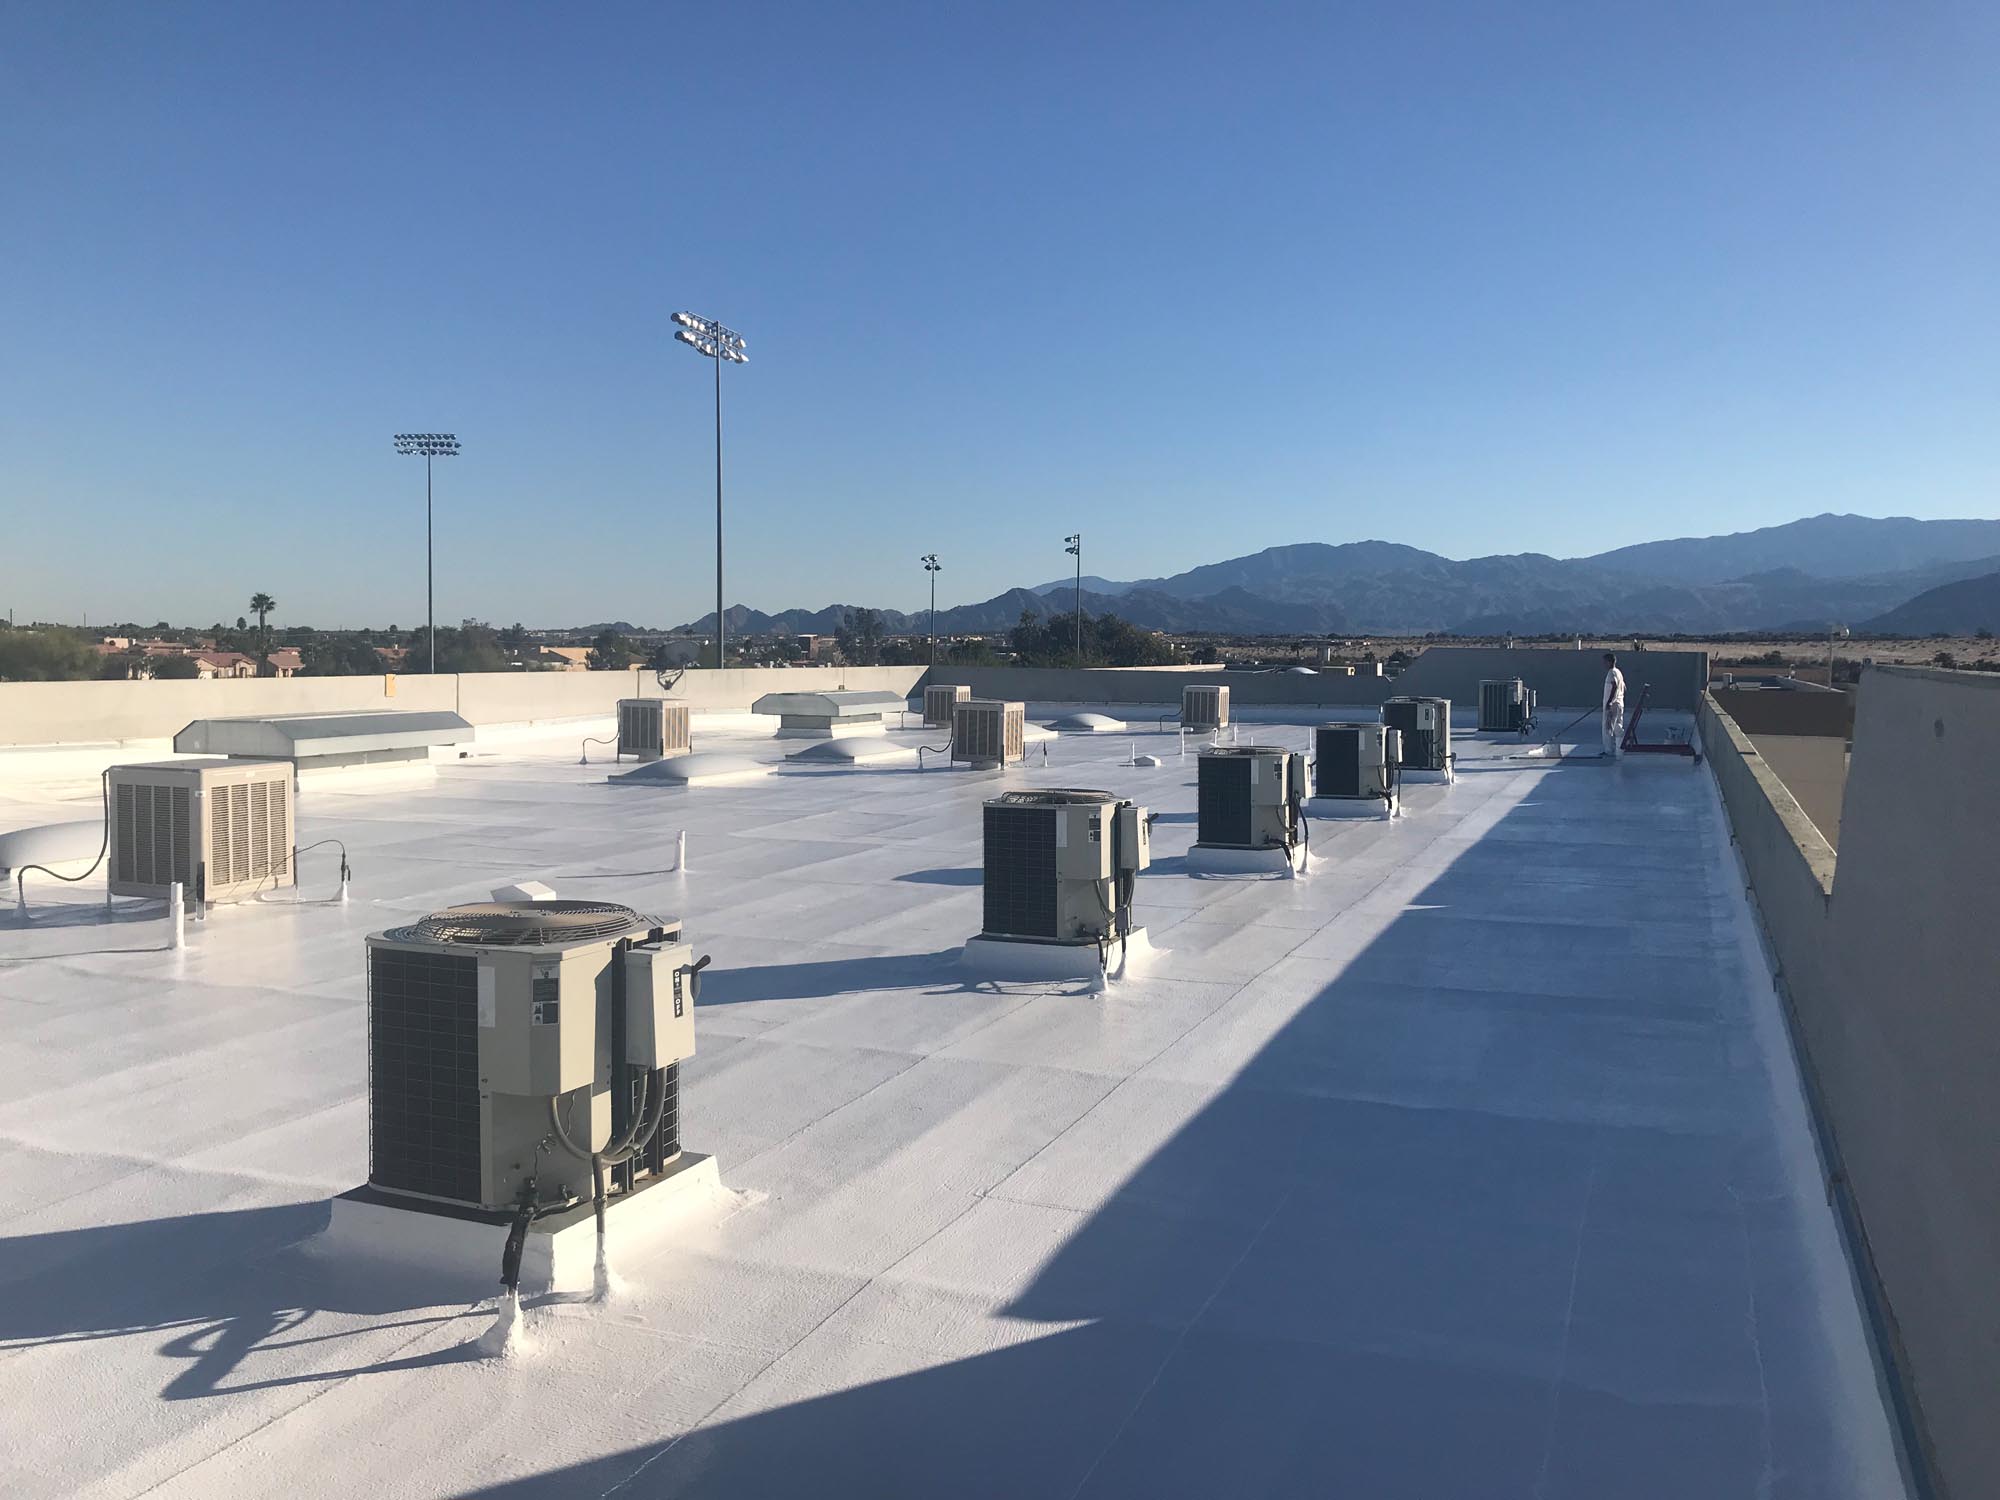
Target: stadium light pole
{"points": [[708, 337], [427, 446], [1075, 550], [932, 566]]}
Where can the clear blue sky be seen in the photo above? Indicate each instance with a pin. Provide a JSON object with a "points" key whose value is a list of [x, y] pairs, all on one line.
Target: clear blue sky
{"points": [[1197, 279]]}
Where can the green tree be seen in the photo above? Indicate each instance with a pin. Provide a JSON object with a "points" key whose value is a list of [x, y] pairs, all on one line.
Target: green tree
{"points": [[1107, 642], [858, 638], [339, 656], [261, 605], [514, 639], [48, 653], [973, 653], [174, 669], [475, 648], [610, 652]]}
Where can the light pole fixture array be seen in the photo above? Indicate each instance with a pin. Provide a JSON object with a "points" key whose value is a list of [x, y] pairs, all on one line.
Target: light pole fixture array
{"points": [[1075, 550], [427, 446], [707, 337], [932, 566]]}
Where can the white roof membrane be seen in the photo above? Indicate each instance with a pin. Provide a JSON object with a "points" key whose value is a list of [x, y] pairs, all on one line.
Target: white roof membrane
{"points": [[1472, 1164]]}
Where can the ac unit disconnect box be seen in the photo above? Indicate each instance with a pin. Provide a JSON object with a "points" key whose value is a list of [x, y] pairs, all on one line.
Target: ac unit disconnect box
{"points": [[659, 1004], [1135, 838]]}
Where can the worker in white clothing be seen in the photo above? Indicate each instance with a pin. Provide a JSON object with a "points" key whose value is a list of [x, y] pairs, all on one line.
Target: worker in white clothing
{"points": [[1614, 706]]}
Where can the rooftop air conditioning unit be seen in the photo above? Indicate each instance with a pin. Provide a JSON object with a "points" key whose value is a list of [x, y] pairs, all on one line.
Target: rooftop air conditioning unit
{"points": [[1204, 706], [653, 728], [987, 732], [1506, 706], [1356, 761], [1248, 797], [940, 699], [1425, 724], [508, 1043], [1061, 865], [221, 828]]}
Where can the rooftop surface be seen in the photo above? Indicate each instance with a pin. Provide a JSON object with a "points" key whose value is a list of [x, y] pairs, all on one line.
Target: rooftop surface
{"points": [[1473, 1163]]}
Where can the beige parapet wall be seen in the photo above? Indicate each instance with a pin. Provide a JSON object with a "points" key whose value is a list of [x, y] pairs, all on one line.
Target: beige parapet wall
{"points": [[1889, 960], [1562, 678], [48, 713]]}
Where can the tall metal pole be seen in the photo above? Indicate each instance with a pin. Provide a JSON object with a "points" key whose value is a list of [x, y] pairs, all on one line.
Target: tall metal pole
{"points": [[721, 626], [430, 576], [1078, 549], [931, 566], [428, 446], [712, 340]]}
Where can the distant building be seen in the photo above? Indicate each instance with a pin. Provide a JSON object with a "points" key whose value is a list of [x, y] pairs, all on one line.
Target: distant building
{"points": [[224, 664]]}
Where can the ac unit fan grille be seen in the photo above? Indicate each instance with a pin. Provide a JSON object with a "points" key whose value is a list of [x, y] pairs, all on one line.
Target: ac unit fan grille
{"points": [[1222, 797], [1020, 873], [1338, 753], [423, 1073], [526, 924], [666, 1142], [1054, 796]]}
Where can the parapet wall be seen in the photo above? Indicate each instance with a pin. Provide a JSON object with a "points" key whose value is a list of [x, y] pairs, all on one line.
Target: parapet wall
{"points": [[1889, 958], [1561, 678], [49, 713], [1146, 685]]}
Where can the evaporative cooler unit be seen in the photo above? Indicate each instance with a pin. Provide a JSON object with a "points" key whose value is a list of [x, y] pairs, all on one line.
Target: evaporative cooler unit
{"points": [[1248, 797], [940, 700], [986, 732], [1425, 724], [1356, 762], [1506, 706], [1061, 865], [1204, 706], [221, 828], [509, 1043], [652, 728]]}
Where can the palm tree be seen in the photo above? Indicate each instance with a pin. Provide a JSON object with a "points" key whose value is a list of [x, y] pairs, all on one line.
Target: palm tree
{"points": [[261, 605]]}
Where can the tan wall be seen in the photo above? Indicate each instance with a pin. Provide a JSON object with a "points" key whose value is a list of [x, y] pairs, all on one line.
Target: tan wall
{"points": [[1789, 710], [1814, 769], [48, 713], [1889, 958], [1160, 687]]}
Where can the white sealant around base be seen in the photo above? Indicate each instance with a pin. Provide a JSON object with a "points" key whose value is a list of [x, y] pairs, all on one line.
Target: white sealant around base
{"points": [[1007, 959], [1373, 809], [1204, 861], [564, 1260]]}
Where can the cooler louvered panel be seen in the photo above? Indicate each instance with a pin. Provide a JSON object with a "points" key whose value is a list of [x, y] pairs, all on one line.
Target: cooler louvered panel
{"points": [[675, 732]]}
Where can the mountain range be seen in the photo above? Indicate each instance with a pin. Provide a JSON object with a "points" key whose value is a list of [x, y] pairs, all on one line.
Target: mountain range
{"points": [[1800, 575]]}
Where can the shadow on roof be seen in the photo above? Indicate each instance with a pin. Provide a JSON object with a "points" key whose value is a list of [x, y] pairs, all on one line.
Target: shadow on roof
{"points": [[1498, 1212]]}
